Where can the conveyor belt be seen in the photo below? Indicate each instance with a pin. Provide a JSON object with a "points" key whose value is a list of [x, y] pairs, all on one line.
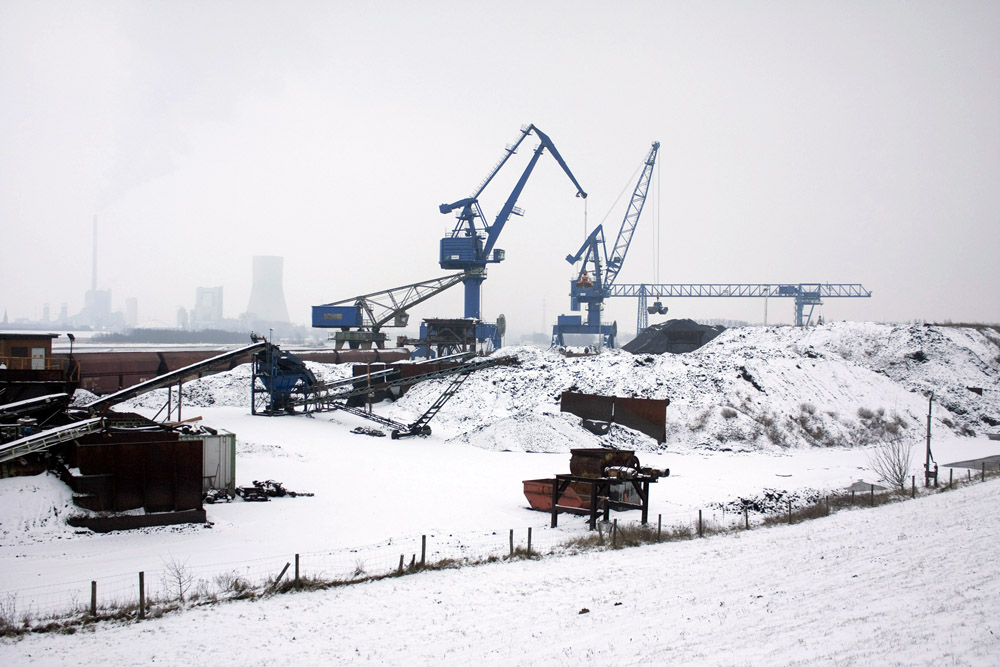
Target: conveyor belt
{"points": [[174, 377], [30, 405], [46, 439]]}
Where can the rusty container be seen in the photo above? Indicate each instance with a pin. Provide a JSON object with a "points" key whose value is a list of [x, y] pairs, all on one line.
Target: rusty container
{"points": [[539, 494], [592, 462]]}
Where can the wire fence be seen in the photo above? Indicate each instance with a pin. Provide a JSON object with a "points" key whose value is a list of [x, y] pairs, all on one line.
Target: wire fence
{"points": [[137, 595]]}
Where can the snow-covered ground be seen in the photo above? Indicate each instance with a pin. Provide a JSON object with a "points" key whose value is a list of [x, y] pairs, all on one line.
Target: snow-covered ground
{"points": [[758, 408], [907, 584]]}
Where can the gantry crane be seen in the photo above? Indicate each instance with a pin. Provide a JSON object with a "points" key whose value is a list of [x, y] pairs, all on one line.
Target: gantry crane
{"points": [[806, 295], [599, 270]]}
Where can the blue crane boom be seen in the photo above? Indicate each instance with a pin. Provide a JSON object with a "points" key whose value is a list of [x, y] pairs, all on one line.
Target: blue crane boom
{"points": [[471, 244], [599, 270]]}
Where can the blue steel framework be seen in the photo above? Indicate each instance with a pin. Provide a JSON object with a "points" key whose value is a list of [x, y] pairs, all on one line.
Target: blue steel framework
{"points": [[470, 246], [805, 294], [599, 270]]}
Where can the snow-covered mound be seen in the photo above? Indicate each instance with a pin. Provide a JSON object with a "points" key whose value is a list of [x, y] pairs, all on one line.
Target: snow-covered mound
{"points": [[35, 509], [840, 384]]}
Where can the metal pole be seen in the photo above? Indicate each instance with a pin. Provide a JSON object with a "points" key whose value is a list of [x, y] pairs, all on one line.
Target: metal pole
{"points": [[927, 458]]}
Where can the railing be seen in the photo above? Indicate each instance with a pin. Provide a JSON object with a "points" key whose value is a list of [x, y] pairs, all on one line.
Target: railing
{"points": [[33, 364]]}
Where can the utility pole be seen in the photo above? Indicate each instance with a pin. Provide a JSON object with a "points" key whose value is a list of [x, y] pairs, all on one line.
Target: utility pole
{"points": [[928, 473]]}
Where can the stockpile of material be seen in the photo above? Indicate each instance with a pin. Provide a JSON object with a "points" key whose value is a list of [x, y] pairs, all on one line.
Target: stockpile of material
{"points": [[674, 336]]}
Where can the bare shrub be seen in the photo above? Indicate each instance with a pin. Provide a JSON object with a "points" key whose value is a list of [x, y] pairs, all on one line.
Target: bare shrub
{"points": [[812, 425], [177, 577], [891, 459], [8, 615], [771, 428], [874, 426], [230, 582]]}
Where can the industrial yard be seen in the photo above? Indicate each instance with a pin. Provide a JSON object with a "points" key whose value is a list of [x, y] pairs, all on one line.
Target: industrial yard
{"points": [[522, 333], [460, 487]]}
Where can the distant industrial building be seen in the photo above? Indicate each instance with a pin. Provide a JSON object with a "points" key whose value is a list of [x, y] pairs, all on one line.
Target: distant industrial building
{"points": [[207, 313], [267, 295]]}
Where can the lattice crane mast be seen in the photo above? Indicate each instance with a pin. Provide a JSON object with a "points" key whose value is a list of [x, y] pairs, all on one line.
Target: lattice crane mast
{"points": [[599, 270], [361, 318]]}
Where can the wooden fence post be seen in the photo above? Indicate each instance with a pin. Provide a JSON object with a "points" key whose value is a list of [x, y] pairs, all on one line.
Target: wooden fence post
{"points": [[423, 550], [984, 471], [93, 598], [142, 595], [400, 571], [872, 492], [700, 530], [296, 570], [282, 574], [659, 526], [529, 541], [511, 542], [913, 486], [789, 512], [951, 476], [614, 534]]}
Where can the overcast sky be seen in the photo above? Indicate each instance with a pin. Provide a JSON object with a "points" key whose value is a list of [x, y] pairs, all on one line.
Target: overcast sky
{"points": [[852, 142]]}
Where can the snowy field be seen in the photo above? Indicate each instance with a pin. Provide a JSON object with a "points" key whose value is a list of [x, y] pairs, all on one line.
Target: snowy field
{"points": [[912, 583]]}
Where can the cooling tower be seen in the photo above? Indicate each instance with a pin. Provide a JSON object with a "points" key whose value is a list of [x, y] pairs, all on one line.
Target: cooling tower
{"points": [[267, 296]]}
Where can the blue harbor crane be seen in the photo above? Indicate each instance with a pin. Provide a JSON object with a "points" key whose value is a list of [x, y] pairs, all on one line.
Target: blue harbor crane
{"points": [[599, 270], [470, 246], [468, 249]]}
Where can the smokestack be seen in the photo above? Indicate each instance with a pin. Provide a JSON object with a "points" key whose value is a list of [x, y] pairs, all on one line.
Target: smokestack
{"points": [[93, 267], [267, 296]]}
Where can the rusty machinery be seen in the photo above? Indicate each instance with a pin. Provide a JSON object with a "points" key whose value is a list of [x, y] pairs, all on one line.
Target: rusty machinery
{"points": [[600, 480]]}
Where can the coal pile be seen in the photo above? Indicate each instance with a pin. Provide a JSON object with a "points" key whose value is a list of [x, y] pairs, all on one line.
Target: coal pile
{"points": [[673, 336]]}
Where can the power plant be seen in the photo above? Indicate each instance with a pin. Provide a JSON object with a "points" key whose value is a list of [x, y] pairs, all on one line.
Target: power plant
{"points": [[267, 295]]}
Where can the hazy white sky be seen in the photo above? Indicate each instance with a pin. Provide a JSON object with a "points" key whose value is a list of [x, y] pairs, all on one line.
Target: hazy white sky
{"points": [[800, 142]]}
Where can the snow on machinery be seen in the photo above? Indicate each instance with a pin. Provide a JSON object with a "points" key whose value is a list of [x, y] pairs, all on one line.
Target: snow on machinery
{"points": [[282, 385], [468, 248]]}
